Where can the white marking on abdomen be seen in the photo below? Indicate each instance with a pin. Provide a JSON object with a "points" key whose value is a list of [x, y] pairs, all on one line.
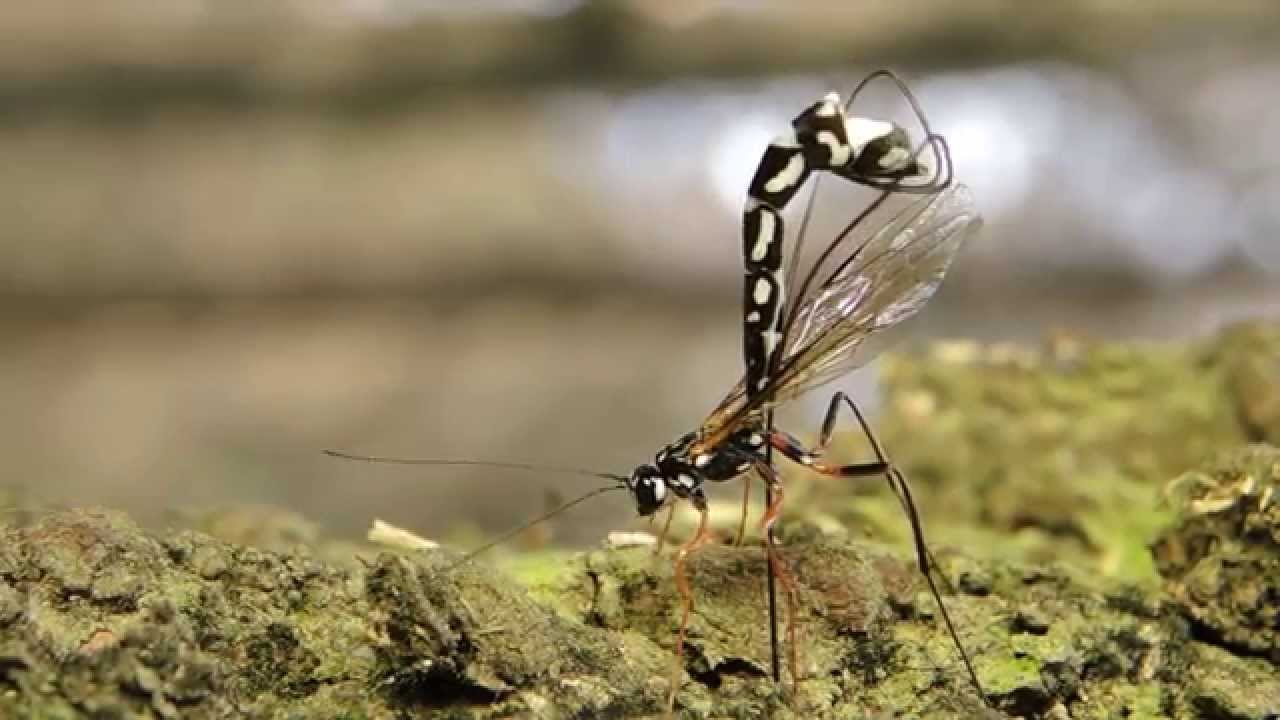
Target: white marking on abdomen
{"points": [[788, 176], [764, 237], [830, 105], [839, 152], [895, 158], [770, 338], [762, 291], [753, 317], [861, 131]]}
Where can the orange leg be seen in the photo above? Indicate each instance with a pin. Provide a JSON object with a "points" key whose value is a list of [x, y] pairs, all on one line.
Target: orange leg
{"points": [[702, 537], [780, 570], [666, 528]]}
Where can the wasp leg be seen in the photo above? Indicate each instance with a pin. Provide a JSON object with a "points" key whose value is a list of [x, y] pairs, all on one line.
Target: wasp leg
{"points": [[896, 480], [778, 567], [666, 528], [700, 538], [788, 446]]}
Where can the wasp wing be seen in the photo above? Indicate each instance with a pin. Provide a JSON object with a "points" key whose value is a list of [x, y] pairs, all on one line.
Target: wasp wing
{"points": [[892, 276], [878, 284], [934, 159]]}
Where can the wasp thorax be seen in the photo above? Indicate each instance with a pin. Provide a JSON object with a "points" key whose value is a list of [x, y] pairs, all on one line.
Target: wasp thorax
{"points": [[649, 489]]}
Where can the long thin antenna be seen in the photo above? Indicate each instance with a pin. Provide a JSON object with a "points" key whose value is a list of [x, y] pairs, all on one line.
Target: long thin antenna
{"points": [[474, 463], [530, 523]]}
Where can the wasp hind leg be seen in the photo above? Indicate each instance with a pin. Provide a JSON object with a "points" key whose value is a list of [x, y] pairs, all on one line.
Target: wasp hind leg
{"points": [[791, 448], [666, 528]]}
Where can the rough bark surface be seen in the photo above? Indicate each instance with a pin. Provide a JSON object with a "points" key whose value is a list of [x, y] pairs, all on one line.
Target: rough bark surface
{"points": [[101, 618]]}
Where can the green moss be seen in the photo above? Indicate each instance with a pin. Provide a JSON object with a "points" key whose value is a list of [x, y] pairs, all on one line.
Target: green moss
{"points": [[1044, 477], [1056, 454], [1221, 556]]}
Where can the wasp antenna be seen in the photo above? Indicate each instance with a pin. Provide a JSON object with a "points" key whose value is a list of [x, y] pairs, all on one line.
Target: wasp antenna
{"points": [[943, 150], [541, 518], [901, 85], [933, 141], [474, 463]]}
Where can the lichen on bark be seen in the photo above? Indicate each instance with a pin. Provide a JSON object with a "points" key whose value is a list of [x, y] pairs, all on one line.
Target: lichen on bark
{"points": [[1108, 535]]}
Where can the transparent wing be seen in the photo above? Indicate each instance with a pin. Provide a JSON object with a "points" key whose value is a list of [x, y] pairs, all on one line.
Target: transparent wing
{"points": [[892, 275], [934, 157], [877, 285]]}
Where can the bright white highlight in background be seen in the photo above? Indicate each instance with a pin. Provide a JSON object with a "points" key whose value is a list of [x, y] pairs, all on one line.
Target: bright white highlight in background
{"points": [[1069, 169], [733, 158]]}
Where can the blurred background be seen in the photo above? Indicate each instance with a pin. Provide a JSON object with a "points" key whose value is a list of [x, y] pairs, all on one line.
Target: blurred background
{"points": [[234, 234]]}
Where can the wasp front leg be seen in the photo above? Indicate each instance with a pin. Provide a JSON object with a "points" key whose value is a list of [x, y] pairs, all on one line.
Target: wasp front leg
{"points": [[699, 539]]}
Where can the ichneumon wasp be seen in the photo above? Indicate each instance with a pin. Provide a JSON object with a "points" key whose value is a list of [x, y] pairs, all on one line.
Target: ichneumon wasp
{"points": [[866, 280]]}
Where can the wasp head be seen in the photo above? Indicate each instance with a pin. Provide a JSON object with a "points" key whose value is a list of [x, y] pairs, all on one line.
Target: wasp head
{"points": [[648, 487]]}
